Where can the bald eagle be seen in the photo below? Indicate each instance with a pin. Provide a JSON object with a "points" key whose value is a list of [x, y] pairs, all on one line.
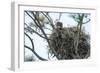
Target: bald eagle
{"points": [[59, 25]]}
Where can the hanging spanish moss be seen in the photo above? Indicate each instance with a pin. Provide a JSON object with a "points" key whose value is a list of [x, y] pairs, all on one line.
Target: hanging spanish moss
{"points": [[63, 44]]}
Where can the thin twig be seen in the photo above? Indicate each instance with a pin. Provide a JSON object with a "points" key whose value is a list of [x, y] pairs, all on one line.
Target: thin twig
{"points": [[36, 32], [86, 21], [60, 14], [30, 40], [33, 48], [35, 54], [51, 22], [39, 25]]}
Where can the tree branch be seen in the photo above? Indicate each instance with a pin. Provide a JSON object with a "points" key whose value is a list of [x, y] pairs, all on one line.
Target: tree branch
{"points": [[60, 14], [36, 32], [33, 48], [39, 25], [32, 18], [35, 53], [47, 28], [51, 22], [86, 21], [30, 40]]}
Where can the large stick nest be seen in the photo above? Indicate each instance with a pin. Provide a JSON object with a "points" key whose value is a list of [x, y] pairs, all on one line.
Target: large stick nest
{"points": [[62, 44]]}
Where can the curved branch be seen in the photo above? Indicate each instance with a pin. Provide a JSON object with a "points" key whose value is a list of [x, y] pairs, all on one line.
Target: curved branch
{"points": [[31, 18], [49, 17], [86, 21], [49, 20], [30, 40], [39, 25], [36, 54], [36, 32], [33, 48], [43, 33]]}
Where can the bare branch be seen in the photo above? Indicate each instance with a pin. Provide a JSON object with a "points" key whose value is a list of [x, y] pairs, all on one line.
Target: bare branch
{"points": [[86, 21], [30, 40], [39, 25], [32, 18], [33, 48], [35, 53], [60, 14], [49, 19], [36, 32], [47, 28]]}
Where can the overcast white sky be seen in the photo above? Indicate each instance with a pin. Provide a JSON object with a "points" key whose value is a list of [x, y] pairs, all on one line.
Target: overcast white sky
{"points": [[39, 43]]}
